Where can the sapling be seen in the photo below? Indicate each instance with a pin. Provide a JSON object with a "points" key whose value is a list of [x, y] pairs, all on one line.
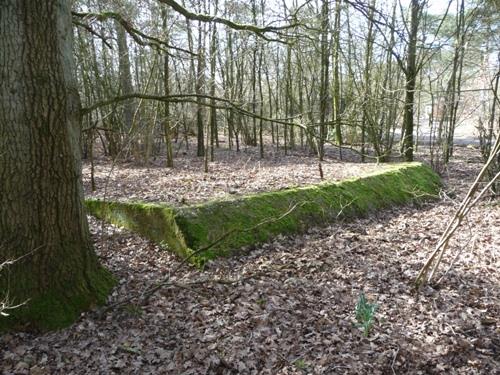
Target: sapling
{"points": [[365, 314]]}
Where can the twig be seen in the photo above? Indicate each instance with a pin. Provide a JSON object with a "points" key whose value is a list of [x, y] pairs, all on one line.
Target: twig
{"points": [[394, 361], [343, 207], [264, 222], [434, 260], [9, 262], [5, 304], [146, 294]]}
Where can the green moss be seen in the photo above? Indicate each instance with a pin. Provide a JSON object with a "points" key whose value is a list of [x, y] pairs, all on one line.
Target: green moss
{"points": [[60, 305], [154, 221], [200, 226]]}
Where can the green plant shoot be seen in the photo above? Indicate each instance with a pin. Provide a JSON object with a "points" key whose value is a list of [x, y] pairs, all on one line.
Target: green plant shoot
{"points": [[365, 314]]}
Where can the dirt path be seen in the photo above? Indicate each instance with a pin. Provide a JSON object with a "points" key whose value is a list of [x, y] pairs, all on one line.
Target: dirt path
{"points": [[292, 312]]}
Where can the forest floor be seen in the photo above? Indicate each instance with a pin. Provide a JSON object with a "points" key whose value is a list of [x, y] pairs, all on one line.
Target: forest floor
{"points": [[287, 307], [231, 173]]}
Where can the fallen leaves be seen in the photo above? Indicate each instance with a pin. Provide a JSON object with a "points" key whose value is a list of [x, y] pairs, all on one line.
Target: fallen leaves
{"points": [[231, 173], [290, 306]]}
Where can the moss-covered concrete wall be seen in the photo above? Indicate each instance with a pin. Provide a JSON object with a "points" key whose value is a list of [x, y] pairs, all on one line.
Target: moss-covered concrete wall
{"points": [[222, 226]]}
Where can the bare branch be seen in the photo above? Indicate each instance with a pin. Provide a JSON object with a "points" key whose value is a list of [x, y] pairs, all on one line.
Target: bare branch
{"points": [[93, 32], [138, 36], [233, 25]]}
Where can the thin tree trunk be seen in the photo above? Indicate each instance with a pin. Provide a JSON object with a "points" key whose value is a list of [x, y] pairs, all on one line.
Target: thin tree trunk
{"points": [[325, 62], [367, 79], [213, 112], [229, 89], [166, 88], [336, 78], [125, 75], [411, 72], [456, 80], [200, 84], [261, 94]]}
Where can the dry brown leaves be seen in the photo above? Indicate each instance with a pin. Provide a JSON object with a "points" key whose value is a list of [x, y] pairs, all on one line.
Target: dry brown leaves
{"points": [[230, 174], [296, 315]]}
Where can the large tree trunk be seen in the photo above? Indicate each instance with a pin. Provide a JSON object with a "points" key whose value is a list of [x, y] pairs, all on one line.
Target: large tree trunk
{"points": [[42, 220]]}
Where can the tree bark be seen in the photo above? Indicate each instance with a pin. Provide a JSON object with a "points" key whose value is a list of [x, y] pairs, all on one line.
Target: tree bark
{"points": [[166, 86], [325, 62], [214, 137], [125, 75], [336, 78], [411, 72], [200, 90], [42, 218], [370, 39]]}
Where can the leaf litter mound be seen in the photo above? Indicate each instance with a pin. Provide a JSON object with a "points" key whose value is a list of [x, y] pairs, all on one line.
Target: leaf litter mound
{"points": [[288, 306]]}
